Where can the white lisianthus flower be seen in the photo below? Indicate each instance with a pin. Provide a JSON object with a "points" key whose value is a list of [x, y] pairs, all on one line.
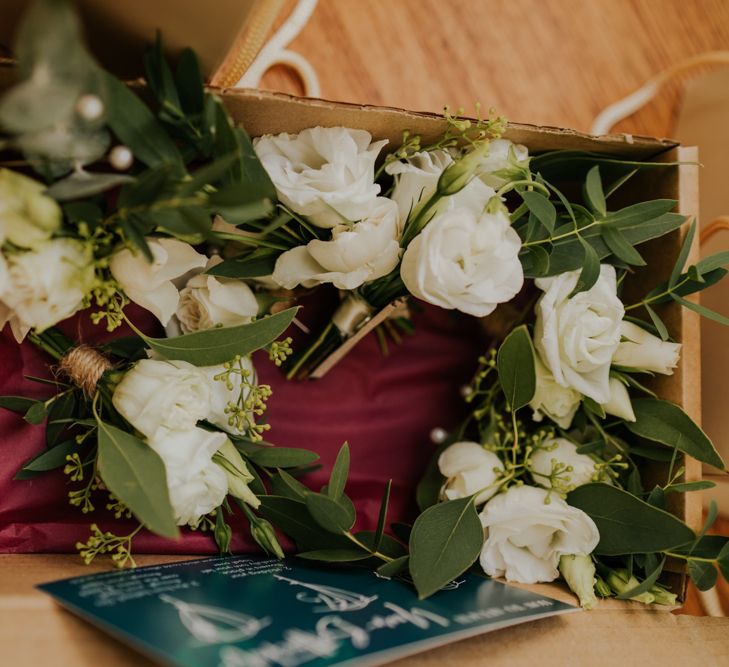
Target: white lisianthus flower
{"points": [[197, 485], [504, 161], [357, 253], [416, 180], [464, 261], [223, 393], [46, 285], [149, 284], [324, 173], [156, 394], [577, 337], [237, 473], [619, 404], [642, 350], [209, 301], [528, 530], [553, 400], [28, 217], [468, 469], [573, 469]]}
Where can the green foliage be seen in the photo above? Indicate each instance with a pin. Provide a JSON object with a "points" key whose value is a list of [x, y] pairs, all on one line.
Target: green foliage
{"points": [[516, 368]]}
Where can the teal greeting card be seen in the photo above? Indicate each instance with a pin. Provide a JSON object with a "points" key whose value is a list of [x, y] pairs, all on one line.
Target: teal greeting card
{"points": [[244, 611]]}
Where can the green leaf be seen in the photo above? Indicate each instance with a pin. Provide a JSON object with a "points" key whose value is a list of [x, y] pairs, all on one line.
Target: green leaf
{"points": [[189, 81], [703, 574], [619, 182], [687, 487], [216, 346], [715, 547], [335, 555], [59, 411], [394, 567], [245, 267], [388, 546], [445, 541], [644, 585], [160, 79], [328, 513], [48, 459], [136, 475], [222, 532], [135, 125], [615, 240], [627, 525], [593, 191], [282, 457], [36, 413], [515, 361], [382, 517], [682, 255], [340, 471], [19, 404], [541, 207], [657, 323], [642, 212], [668, 424], [702, 310], [85, 184], [713, 262], [590, 269], [288, 486]]}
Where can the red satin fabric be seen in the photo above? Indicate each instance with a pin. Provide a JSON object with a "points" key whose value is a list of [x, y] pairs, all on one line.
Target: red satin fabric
{"points": [[385, 407]]}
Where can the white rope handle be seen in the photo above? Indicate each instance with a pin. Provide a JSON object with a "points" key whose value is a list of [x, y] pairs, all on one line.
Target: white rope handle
{"points": [[628, 105], [275, 53]]}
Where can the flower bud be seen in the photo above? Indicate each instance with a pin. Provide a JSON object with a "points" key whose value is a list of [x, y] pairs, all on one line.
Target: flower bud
{"points": [[602, 588], [265, 537], [237, 473], [579, 573], [458, 174], [663, 596], [622, 582], [619, 404], [223, 533]]}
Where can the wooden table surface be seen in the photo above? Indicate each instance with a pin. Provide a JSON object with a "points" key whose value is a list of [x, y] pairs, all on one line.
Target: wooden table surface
{"points": [[550, 62]]}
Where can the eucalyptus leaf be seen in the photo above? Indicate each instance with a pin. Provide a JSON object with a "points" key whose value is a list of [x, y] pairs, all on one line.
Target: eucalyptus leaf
{"points": [[445, 541], [283, 484], [590, 271], [626, 524], [340, 472], [687, 487], [393, 567], [682, 255], [664, 422], [515, 361], [245, 267], [644, 585], [702, 310], [216, 346], [328, 513], [85, 184], [48, 459], [282, 457], [19, 404], [335, 555], [541, 207], [593, 191], [36, 413], [704, 575], [136, 475], [382, 516], [620, 247]]}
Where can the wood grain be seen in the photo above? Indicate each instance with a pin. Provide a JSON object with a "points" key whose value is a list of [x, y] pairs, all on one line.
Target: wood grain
{"points": [[549, 62]]}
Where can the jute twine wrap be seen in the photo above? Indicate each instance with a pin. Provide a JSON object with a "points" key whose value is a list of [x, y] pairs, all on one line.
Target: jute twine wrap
{"points": [[84, 366]]}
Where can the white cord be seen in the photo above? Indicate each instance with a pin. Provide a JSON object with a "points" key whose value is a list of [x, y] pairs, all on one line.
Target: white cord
{"points": [[275, 52]]}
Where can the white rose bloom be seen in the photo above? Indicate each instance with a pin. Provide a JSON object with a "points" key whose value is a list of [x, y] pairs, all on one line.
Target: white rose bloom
{"points": [[46, 285], [577, 337], [561, 451], [468, 469], [553, 400], [503, 157], [209, 301], [416, 180], [28, 217], [464, 261], [619, 404], [220, 395], [149, 284], [528, 530], [324, 173], [196, 484], [158, 394], [642, 350], [358, 253]]}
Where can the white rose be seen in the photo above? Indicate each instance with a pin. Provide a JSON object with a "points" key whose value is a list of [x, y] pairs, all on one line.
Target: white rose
{"points": [[416, 180], [504, 161], [644, 351], [557, 402], [324, 173], [573, 469], [222, 393], [47, 285], [468, 469], [209, 301], [577, 337], [465, 261], [196, 484], [149, 284], [163, 394], [28, 217], [358, 253], [528, 530], [619, 404]]}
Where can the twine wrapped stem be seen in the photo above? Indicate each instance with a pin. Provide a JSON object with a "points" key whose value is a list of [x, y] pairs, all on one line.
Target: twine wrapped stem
{"points": [[85, 365]]}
